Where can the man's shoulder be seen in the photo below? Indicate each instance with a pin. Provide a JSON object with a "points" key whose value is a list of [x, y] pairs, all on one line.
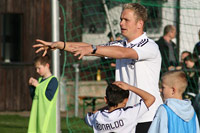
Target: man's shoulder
{"points": [[143, 42], [115, 43], [160, 40], [197, 44], [161, 110], [140, 43]]}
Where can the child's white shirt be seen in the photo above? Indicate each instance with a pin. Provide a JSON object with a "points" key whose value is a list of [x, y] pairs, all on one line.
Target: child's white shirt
{"points": [[118, 121]]}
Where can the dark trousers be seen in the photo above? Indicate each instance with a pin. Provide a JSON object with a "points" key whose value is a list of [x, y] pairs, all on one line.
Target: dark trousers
{"points": [[143, 127]]}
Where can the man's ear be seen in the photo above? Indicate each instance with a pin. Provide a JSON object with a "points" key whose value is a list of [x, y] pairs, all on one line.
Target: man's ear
{"points": [[140, 24], [105, 99]]}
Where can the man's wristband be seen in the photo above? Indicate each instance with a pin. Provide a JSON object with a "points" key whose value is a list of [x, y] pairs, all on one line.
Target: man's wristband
{"points": [[94, 47], [64, 45]]}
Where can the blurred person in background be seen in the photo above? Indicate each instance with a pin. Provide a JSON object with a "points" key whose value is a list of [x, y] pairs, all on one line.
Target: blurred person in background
{"points": [[184, 54], [168, 49], [192, 73]]}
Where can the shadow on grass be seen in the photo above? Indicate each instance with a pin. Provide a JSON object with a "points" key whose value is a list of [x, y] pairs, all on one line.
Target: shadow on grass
{"points": [[11, 126], [19, 124]]}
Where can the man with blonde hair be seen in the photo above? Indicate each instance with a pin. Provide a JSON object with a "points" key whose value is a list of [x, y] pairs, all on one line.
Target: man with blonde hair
{"points": [[138, 58], [175, 115]]}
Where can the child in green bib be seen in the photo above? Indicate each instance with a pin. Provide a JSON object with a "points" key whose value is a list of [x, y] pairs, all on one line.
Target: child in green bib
{"points": [[44, 93]]}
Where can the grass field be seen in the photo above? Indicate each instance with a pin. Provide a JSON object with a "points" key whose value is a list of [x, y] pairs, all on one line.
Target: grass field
{"points": [[19, 124]]}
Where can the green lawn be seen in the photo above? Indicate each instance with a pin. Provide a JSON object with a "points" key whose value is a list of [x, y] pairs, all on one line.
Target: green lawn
{"points": [[19, 124]]}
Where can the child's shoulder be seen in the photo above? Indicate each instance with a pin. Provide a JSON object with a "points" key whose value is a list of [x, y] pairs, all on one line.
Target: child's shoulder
{"points": [[54, 78], [161, 109]]}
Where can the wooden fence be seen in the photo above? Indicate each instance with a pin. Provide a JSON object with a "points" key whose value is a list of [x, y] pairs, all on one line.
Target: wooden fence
{"points": [[14, 91]]}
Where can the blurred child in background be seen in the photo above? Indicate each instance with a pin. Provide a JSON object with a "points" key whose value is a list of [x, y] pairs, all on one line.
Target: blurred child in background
{"points": [[44, 93]]}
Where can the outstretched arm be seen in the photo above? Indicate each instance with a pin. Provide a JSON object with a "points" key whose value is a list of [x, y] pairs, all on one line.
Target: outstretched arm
{"points": [[67, 46], [115, 52], [84, 49], [147, 97]]}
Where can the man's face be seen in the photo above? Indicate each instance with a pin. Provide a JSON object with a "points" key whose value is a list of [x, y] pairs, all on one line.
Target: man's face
{"points": [[128, 23], [173, 32]]}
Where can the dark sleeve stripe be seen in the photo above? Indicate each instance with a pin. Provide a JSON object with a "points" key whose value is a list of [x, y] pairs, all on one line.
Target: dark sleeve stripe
{"points": [[143, 42], [140, 44]]}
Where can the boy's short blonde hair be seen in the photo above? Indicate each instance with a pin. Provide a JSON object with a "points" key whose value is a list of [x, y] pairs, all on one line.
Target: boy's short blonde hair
{"points": [[176, 79]]}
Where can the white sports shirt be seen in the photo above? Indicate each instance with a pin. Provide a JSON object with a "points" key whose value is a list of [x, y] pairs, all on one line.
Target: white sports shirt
{"points": [[122, 120], [143, 73]]}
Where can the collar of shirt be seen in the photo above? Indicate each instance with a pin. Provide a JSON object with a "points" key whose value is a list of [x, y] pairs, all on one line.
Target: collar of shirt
{"points": [[137, 40]]}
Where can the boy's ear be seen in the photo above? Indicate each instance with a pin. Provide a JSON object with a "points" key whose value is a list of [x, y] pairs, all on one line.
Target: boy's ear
{"points": [[173, 90], [48, 65], [125, 100], [105, 99]]}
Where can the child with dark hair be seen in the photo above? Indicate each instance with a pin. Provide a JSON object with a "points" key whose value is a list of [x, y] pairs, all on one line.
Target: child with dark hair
{"points": [[115, 95], [117, 117], [44, 94]]}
